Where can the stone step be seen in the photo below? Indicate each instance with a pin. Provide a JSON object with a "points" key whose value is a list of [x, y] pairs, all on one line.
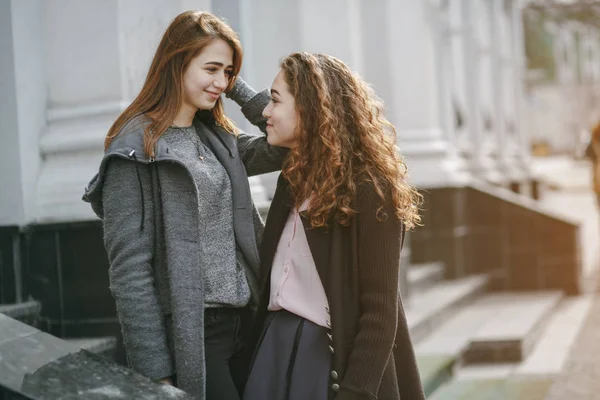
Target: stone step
{"points": [[453, 337], [435, 370], [516, 322], [428, 310], [494, 389], [27, 312], [423, 276], [104, 346], [550, 354]]}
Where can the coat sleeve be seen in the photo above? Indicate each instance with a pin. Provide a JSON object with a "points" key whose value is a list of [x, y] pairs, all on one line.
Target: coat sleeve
{"points": [[130, 246], [382, 316], [258, 156]]}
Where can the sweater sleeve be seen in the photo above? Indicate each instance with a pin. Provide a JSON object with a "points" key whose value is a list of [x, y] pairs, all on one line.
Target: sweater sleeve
{"points": [[378, 269], [129, 245], [251, 102]]}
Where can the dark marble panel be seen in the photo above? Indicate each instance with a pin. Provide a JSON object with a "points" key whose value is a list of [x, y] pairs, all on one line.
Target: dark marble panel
{"points": [[81, 328], [484, 210], [562, 276], [453, 251], [7, 273], [42, 277], [522, 229], [552, 243], [523, 272], [487, 251], [85, 274], [421, 249], [448, 208], [498, 280]]}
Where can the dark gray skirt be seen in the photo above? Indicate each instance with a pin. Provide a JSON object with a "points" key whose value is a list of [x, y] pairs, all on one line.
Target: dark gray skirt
{"points": [[292, 361]]}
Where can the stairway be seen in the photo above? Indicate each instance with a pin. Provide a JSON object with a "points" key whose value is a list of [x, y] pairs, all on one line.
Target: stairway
{"points": [[473, 345]]}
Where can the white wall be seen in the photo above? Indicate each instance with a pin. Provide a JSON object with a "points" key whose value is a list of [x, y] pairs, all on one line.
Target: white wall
{"points": [[11, 194], [23, 109], [29, 38]]}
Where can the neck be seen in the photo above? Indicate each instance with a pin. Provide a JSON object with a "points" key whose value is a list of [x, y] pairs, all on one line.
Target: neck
{"points": [[185, 116]]}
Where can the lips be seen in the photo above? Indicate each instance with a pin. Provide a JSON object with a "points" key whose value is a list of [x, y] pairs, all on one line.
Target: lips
{"points": [[214, 95]]}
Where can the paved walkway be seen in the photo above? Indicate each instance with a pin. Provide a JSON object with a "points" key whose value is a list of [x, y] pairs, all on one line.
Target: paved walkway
{"points": [[570, 191], [581, 378]]}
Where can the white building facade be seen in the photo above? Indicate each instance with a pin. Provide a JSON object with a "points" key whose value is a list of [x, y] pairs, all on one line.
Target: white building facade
{"points": [[450, 73]]}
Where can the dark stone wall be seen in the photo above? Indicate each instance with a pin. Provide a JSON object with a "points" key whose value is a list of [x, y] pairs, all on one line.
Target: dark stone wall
{"points": [[474, 230]]}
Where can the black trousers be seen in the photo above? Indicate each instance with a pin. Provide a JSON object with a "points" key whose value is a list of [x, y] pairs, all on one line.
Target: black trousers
{"points": [[223, 341]]}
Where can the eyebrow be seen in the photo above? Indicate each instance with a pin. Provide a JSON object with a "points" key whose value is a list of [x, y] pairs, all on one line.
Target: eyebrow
{"points": [[273, 91], [218, 64]]}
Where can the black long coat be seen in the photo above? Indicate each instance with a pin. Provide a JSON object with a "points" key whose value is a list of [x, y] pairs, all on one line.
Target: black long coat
{"points": [[359, 267]]}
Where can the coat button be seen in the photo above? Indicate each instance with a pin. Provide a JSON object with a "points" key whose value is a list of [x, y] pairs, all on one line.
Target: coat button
{"points": [[332, 350], [330, 336], [335, 387], [334, 375]]}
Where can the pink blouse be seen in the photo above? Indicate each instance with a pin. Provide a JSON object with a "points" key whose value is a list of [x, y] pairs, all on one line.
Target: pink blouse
{"points": [[295, 282]]}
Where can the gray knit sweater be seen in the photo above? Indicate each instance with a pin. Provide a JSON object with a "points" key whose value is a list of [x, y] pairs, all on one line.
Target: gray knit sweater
{"points": [[225, 282]]}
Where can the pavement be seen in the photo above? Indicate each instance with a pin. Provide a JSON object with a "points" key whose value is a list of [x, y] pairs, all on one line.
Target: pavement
{"points": [[568, 188]]}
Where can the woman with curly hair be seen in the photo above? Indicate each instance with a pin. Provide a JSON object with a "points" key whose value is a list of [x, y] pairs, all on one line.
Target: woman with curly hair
{"points": [[330, 321]]}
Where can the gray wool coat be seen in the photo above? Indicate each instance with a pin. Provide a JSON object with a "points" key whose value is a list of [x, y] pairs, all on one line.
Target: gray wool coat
{"points": [[152, 241]]}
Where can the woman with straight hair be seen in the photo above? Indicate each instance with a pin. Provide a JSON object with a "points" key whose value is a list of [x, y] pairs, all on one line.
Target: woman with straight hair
{"points": [[330, 323], [180, 228]]}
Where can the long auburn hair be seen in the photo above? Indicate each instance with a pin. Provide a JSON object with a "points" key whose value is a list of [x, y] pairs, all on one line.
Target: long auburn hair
{"points": [[161, 96], [343, 140]]}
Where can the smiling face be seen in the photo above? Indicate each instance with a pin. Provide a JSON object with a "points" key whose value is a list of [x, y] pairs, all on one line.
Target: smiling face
{"points": [[207, 76], [281, 115]]}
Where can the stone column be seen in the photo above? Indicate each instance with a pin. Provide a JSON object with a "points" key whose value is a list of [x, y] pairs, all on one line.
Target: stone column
{"points": [[421, 98], [518, 67], [475, 47], [420, 52], [503, 67], [97, 57], [23, 109]]}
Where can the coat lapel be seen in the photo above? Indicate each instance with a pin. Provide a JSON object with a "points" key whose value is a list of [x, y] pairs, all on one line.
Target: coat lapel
{"points": [[319, 242], [276, 219]]}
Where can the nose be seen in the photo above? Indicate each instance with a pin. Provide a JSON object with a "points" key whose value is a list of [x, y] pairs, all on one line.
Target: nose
{"points": [[220, 82], [267, 111]]}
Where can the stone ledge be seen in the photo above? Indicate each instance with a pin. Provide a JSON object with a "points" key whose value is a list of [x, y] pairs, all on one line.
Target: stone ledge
{"points": [[517, 323], [426, 311]]}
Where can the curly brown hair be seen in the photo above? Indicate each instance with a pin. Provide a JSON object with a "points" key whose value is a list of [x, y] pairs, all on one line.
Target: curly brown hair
{"points": [[161, 96], [343, 139]]}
